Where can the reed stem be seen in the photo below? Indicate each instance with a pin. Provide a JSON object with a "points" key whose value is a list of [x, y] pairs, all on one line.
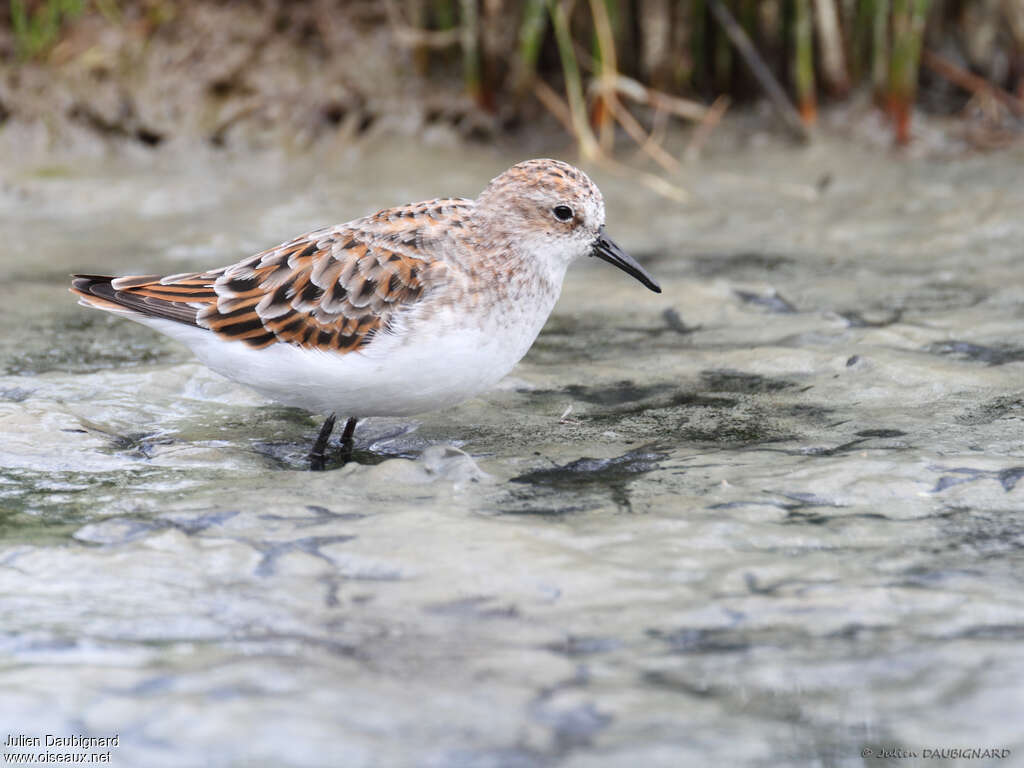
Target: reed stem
{"points": [[760, 70], [803, 62], [417, 14], [589, 149], [604, 107], [531, 35], [470, 38], [880, 48], [722, 54], [830, 43], [908, 17]]}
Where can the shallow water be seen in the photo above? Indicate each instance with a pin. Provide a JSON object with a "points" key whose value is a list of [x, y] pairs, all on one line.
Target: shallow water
{"points": [[773, 516]]}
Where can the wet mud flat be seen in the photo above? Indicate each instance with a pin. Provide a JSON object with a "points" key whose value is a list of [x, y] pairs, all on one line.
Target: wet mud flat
{"points": [[773, 516]]}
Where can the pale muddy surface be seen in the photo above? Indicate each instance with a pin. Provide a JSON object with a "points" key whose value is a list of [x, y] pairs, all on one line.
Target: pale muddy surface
{"points": [[773, 516]]}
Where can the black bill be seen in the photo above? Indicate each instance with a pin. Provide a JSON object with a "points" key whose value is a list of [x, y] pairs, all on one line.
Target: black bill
{"points": [[606, 249]]}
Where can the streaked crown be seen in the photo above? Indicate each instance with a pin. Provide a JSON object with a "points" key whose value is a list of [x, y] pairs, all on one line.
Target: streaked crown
{"points": [[546, 206]]}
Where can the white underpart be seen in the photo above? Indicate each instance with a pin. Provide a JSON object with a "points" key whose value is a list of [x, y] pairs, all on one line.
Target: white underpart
{"points": [[423, 367]]}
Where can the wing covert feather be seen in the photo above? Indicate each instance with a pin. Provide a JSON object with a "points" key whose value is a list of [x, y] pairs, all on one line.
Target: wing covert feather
{"points": [[328, 289]]}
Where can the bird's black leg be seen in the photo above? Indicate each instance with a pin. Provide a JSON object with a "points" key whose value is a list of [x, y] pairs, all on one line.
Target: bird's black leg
{"points": [[347, 443], [317, 456]]}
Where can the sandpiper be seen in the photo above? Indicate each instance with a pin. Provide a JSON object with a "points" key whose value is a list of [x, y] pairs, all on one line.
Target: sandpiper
{"points": [[411, 309]]}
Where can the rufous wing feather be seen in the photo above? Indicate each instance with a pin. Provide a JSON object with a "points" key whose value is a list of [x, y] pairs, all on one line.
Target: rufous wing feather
{"points": [[329, 289]]}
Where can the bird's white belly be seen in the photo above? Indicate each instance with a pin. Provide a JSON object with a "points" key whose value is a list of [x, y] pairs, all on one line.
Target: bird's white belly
{"points": [[396, 375]]}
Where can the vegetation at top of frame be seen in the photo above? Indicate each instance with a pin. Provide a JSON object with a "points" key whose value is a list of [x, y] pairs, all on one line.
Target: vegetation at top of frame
{"points": [[598, 64], [795, 50]]}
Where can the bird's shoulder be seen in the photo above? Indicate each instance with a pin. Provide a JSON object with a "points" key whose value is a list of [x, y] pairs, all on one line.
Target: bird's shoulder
{"points": [[337, 287], [334, 288]]}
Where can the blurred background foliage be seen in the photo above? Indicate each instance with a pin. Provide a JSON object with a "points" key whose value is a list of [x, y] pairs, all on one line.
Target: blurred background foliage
{"points": [[604, 66]]}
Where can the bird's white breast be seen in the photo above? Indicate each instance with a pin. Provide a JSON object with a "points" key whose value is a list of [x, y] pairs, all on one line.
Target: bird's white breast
{"points": [[429, 363]]}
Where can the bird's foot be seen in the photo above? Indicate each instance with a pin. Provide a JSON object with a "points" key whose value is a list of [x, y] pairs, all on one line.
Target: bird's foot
{"points": [[318, 456], [347, 442]]}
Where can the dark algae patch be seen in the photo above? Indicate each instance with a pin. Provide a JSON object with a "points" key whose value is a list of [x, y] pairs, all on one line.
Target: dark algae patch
{"points": [[725, 380], [733, 264], [620, 393], [979, 353], [701, 640], [139, 444], [584, 476], [1002, 407], [587, 471], [723, 407]]}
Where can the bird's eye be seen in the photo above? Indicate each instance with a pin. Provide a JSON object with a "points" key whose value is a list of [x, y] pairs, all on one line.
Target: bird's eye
{"points": [[562, 212]]}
